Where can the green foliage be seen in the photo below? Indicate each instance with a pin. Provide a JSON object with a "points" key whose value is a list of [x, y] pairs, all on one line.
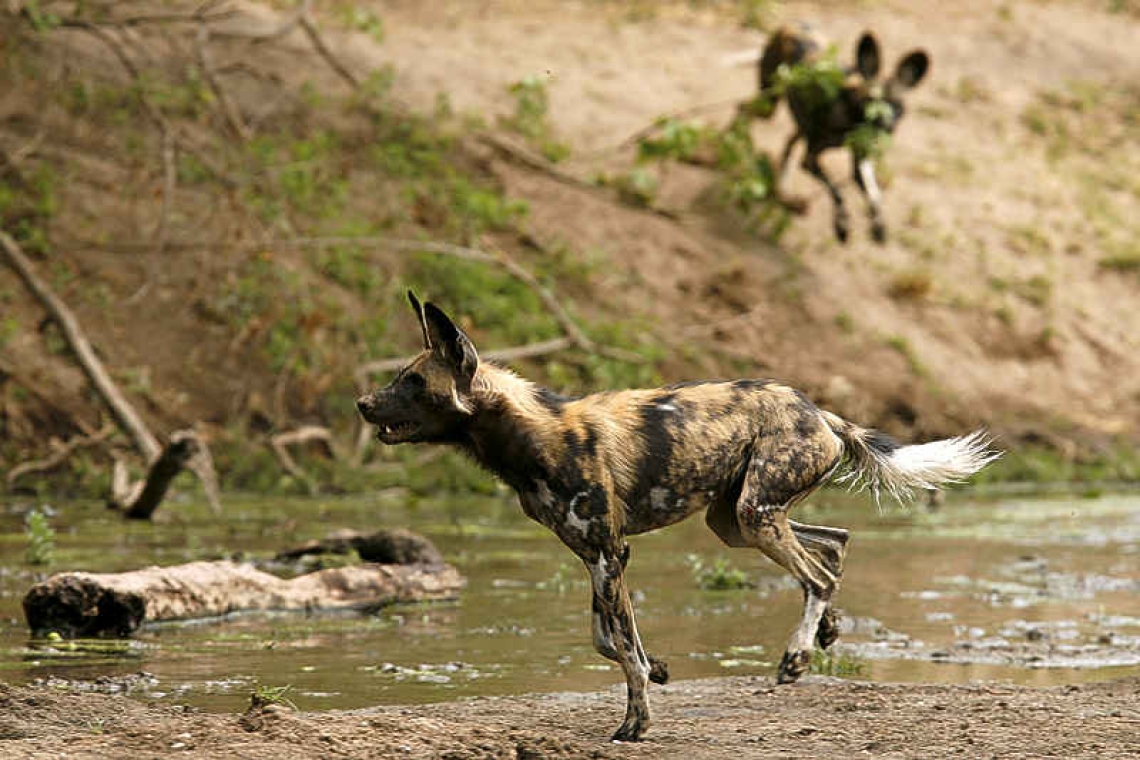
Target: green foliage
{"points": [[827, 663], [41, 20], [1128, 261], [263, 695], [817, 83], [41, 539], [906, 350], [637, 187], [363, 20], [674, 140], [532, 103], [190, 97], [9, 326], [532, 107], [868, 141], [748, 181], [373, 91], [720, 576], [1119, 462]]}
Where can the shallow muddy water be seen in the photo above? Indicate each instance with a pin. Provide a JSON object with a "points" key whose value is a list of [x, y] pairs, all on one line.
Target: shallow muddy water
{"points": [[1041, 591]]}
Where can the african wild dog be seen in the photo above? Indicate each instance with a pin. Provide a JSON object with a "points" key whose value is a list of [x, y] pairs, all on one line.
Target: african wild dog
{"points": [[826, 121], [602, 467]]}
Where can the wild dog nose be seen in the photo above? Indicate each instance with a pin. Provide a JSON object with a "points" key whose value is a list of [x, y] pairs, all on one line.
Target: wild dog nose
{"points": [[363, 404]]}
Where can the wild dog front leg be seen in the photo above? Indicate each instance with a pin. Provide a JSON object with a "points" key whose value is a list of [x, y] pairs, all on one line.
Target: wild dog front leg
{"points": [[864, 171], [615, 631], [811, 165], [604, 636]]}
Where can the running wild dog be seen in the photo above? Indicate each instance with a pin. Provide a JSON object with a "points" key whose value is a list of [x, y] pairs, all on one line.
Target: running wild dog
{"points": [[597, 469], [862, 107]]}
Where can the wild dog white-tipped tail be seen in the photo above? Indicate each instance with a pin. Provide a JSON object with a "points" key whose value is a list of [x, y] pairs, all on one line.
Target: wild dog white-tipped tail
{"points": [[879, 462]]}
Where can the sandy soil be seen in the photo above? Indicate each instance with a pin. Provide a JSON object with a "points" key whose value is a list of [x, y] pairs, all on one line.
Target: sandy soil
{"points": [[714, 718], [982, 206]]}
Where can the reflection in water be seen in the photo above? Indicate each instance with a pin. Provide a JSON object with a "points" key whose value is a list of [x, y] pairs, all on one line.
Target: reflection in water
{"points": [[1033, 591]]}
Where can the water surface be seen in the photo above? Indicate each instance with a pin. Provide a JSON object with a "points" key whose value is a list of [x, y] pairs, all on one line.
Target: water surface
{"points": [[936, 596]]}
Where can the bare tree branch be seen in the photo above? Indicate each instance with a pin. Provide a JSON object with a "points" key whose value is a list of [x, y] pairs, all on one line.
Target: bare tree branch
{"points": [[185, 448], [229, 110], [305, 18], [534, 162], [61, 452], [300, 436], [120, 408]]}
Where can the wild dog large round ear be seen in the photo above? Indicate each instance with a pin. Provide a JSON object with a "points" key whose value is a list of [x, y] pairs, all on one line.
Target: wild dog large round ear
{"points": [[415, 302], [456, 346], [911, 69], [867, 56]]}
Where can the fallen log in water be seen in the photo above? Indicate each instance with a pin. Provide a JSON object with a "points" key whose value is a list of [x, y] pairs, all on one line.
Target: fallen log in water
{"points": [[116, 604], [390, 545]]}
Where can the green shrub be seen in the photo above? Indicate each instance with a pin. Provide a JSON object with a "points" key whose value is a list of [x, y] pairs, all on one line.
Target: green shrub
{"points": [[720, 576], [41, 539]]}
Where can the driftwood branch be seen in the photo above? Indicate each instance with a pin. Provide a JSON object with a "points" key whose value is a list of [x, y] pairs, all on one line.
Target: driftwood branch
{"points": [[184, 448], [61, 452], [117, 604], [301, 436], [388, 546], [120, 408]]}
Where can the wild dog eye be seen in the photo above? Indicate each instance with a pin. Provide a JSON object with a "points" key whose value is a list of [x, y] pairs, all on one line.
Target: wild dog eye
{"points": [[416, 380]]}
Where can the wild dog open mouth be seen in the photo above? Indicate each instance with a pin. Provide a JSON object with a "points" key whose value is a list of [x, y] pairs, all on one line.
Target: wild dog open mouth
{"points": [[395, 430]]}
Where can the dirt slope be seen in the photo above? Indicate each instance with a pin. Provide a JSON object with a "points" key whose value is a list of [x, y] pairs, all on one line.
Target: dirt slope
{"points": [[1008, 186], [1005, 295], [719, 718]]}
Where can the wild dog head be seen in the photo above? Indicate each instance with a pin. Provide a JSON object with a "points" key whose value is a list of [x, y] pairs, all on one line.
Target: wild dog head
{"points": [[429, 400], [880, 104]]}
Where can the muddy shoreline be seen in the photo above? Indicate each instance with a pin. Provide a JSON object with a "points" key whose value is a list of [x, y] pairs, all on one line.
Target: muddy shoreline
{"points": [[708, 718]]}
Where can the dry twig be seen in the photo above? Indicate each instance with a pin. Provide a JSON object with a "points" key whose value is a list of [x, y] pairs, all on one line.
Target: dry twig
{"points": [[229, 110], [300, 436], [61, 452], [305, 19]]}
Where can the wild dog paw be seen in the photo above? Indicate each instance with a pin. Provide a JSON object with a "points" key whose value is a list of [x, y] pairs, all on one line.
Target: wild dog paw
{"points": [[879, 232], [841, 230], [658, 671], [630, 730], [792, 666], [828, 631]]}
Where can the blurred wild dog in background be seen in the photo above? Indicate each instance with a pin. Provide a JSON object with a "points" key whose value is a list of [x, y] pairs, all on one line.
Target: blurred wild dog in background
{"points": [[852, 108], [599, 468]]}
